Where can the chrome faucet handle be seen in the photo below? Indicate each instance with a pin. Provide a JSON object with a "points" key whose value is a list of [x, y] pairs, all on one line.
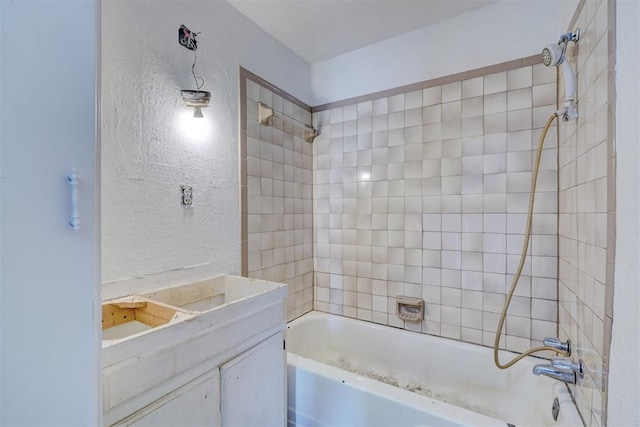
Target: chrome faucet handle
{"points": [[567, 364], [556, 344]]}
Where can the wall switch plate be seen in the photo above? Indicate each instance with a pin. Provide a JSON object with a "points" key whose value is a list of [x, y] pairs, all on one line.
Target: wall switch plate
{"points": [[187, 195]]}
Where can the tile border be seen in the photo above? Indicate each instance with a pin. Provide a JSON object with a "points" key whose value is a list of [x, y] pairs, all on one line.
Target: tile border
{"points": [[576, 15], [438, 81]]}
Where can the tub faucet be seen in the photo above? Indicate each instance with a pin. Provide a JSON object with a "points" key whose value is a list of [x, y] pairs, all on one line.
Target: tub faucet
{"points": [[561, 369]]}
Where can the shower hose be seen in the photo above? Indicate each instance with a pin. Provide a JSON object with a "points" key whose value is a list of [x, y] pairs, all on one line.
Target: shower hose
{"points": [[523, 257]]}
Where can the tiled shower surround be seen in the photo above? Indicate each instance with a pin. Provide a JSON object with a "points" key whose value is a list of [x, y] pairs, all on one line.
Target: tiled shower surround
{"points": [[278, 197], [587, 208], [424, 193], [423, 190]]}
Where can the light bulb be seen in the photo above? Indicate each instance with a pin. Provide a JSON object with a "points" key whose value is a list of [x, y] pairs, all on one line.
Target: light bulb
{"points": [[197, 113]]}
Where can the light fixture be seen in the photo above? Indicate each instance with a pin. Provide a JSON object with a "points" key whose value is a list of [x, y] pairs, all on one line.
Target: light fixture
{"points": [[198, 99]]}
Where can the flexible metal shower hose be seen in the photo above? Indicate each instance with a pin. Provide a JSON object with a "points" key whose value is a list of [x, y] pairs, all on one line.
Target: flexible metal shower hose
{"points": [[523, 257]]}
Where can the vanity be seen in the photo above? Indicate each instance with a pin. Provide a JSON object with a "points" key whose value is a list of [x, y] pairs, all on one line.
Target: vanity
{"points": [[209, 353]]}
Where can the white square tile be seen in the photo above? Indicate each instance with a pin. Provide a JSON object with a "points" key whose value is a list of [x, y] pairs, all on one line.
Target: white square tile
{"points": [[452, 111], [432, 114], [519, 99], [471, 242], [451, 92], [451, 241], [413, 100], [544, 94], [495, 203], [519, 141], [495, 243], [519, 120], [379, 106], [494, 83], [472, 184], [544, 309], [519, 161], [451, 222], [543, 74], [451, 185], [451, 166], [365, 109], [432, 96], [413, 118], [432, 132], [451, 148], [473, 165], [396, 103], [451, 297], [495, 123], [472, 223], [495, 163], [472, 126], [432, 240], [472, 203], [495, 143], [451, 204], [495, 103], [472, 87], [349, 112], [495, 263], [518, 182], [472, 107], [519, 78]]}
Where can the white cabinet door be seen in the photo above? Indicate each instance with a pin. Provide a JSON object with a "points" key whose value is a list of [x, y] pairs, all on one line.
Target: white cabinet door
{"points": [[254, 387], [195, 404], [49, 359]]}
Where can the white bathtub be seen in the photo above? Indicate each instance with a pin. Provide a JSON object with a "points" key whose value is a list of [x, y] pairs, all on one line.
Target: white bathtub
{"points": [[340, 371]]}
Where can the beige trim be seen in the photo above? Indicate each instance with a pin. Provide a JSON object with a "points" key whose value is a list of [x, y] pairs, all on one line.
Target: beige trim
{"points": [[246, 74], [576, 15], [242, 195], [439, 81]]}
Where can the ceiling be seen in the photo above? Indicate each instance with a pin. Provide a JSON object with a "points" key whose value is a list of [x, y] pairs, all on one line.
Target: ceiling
{"points": [[321, 29]]}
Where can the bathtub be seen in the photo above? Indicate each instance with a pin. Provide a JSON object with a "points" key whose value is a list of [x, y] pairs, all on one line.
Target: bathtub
{"points": [[345, 372]]}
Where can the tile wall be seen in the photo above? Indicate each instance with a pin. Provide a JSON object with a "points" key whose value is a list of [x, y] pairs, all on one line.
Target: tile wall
{"points": [[587, 208], [278, 218], [425, 192]]}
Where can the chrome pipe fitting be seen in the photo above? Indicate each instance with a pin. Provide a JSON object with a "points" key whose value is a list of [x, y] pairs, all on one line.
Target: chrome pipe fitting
{"points": [[555, 343]]}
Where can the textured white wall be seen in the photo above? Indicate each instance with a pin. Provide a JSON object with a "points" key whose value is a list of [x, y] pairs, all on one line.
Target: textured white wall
{"points": [[624, 374], [151, 145], [507, 30]]}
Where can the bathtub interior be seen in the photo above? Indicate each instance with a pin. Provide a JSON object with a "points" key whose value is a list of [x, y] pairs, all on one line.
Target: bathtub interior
{"points": [[341, 398], [449, 371]]}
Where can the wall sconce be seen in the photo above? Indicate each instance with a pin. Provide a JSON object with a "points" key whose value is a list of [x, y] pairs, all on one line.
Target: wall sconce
{"points": [[198, 99]]}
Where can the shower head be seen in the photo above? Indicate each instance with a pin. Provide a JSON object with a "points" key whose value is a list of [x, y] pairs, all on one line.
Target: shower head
{"points": [[553, 55]]}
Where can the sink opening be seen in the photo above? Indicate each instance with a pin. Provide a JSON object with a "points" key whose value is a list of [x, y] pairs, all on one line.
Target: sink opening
{"points": [[122, 319]]}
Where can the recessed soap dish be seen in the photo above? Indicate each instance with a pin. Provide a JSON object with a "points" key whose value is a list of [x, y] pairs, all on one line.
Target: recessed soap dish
{"points": [[410, 309]]}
